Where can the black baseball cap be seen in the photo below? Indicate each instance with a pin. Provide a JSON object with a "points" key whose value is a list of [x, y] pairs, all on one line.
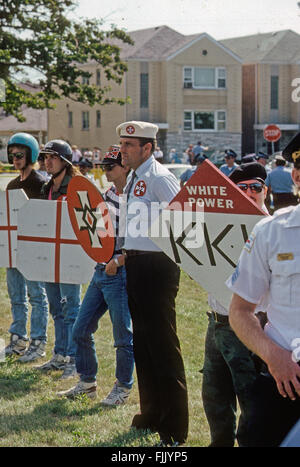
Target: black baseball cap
{"points": [[112, 157], [252, 170]]}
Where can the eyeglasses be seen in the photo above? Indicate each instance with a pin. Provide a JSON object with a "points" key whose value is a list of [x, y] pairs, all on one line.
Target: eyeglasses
{"points": [[108, 168], [17, 155], [254, 187]]}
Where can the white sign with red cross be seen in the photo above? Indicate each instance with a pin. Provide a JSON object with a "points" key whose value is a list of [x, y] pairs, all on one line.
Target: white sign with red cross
{"points": [[205, 227], [10, 203], [48, 249]]}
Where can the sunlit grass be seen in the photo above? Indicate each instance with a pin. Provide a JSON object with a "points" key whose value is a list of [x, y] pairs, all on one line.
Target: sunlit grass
{"points": [[32, 414]]}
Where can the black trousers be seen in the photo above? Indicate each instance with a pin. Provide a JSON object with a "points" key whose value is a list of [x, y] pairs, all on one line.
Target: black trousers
{"points": [[272, 417], [152, 284]]}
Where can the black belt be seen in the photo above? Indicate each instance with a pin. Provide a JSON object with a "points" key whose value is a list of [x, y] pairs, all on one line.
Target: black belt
{"points": [[139, 252], [218, 317]]}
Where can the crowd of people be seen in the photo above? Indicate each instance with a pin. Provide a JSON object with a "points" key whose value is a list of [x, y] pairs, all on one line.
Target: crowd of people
{"points": [[250, 356]]}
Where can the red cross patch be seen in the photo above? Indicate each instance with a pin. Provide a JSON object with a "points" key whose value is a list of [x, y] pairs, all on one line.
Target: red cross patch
{"points": [[130, 129], [140, 188]]}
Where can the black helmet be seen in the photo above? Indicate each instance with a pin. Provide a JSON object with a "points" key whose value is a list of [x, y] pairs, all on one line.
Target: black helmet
{"points": [[59, 148], [85, 163]]}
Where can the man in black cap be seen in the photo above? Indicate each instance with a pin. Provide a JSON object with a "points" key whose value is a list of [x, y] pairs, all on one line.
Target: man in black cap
{"points": [[107, 290], [269, 266], [262, 158], [229, 370]]}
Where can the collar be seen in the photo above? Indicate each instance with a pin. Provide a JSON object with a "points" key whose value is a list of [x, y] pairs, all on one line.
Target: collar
{"points": [[293, 219], [66, 180], [145, 166]]}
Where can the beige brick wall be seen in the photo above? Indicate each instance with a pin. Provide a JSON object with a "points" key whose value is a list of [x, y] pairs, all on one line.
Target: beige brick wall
{"points": [[180, 99], [111, 116], [167, 97], [295, 106], [288, 111]]}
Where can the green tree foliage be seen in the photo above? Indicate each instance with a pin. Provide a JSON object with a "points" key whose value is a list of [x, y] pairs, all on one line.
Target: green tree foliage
{"points": [[38, 35]]}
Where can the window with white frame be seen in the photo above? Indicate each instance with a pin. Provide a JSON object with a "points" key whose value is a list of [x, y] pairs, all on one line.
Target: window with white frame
{"points": [[195, 120], [85, 120], [204, 78]]}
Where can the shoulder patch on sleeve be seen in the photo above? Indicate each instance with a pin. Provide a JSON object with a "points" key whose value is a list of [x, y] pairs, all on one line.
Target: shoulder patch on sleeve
{"points": [[249, 243]]}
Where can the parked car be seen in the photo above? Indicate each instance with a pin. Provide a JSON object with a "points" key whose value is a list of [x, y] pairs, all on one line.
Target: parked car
{"points": [[177, 169]]}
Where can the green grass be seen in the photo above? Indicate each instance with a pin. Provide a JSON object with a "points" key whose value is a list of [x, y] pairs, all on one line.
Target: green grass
{"points": [[32, 415]]}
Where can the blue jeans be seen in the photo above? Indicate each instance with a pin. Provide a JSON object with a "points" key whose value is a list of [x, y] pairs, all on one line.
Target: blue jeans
{"points": [[105, 292], [64, 302], [19, 289]]}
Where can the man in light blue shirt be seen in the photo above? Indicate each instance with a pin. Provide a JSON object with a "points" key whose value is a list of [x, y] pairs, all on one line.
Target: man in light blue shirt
{"points": [[189, 172], [152, 285], [280, 184], [230, 164]]}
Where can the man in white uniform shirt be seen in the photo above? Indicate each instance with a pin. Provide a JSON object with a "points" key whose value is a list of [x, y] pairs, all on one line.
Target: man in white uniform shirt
{"points": [[229, 369], [152, 284], [270, 266]]}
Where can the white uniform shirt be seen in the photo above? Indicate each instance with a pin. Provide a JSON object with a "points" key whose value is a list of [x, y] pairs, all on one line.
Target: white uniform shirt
{"points": [[153, 185], [269, 267], [216, 306]]}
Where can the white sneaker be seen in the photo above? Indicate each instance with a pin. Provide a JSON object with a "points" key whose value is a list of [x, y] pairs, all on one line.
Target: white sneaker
{"points": [[117, 396], [81, 388], [35, 350], [17, 345], [57, 362]]}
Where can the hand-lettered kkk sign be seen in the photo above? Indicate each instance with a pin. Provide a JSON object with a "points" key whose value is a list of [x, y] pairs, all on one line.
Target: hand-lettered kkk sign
{"points": [[90, 219], [10, 203], [48, 249], [205, 227]]}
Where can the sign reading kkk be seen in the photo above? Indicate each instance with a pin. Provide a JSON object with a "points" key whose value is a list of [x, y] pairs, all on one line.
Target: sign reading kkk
{"points": [[10, 203], [90, 219], [205, 227]]}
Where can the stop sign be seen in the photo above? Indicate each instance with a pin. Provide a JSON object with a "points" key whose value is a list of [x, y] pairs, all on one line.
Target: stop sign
{"points": [[272, 133]]}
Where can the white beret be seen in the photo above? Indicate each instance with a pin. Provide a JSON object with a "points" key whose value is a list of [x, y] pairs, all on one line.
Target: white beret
{"points": [[137, 130]]}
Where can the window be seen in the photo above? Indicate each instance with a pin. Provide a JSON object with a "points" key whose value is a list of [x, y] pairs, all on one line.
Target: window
{"points": [[188, 78], [98, 78], [274, 92], [85, 80], [221, 77], [221, 120], [204, 120], [204, 78], [144, 90], [98, 118], [85, 120], [187, 121], [70, 119]]}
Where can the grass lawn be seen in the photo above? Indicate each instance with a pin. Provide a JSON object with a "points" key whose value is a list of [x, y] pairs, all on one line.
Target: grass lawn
{"points": [[32, 415]]}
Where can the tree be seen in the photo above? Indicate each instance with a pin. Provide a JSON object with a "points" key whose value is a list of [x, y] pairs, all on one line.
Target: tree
{"points": [[38, 35]]}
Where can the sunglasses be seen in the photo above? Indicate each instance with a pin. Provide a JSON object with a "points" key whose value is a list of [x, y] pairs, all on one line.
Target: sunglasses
{"points": [[17, 155], [254, 187]]}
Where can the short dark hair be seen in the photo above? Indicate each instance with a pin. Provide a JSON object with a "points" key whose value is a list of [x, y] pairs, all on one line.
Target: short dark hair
{"points": [[144, 141], [279, 162]]}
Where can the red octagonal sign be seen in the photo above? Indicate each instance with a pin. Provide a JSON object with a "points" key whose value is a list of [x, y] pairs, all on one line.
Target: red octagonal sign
{"points": [[272, 133], [90, 219]]}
